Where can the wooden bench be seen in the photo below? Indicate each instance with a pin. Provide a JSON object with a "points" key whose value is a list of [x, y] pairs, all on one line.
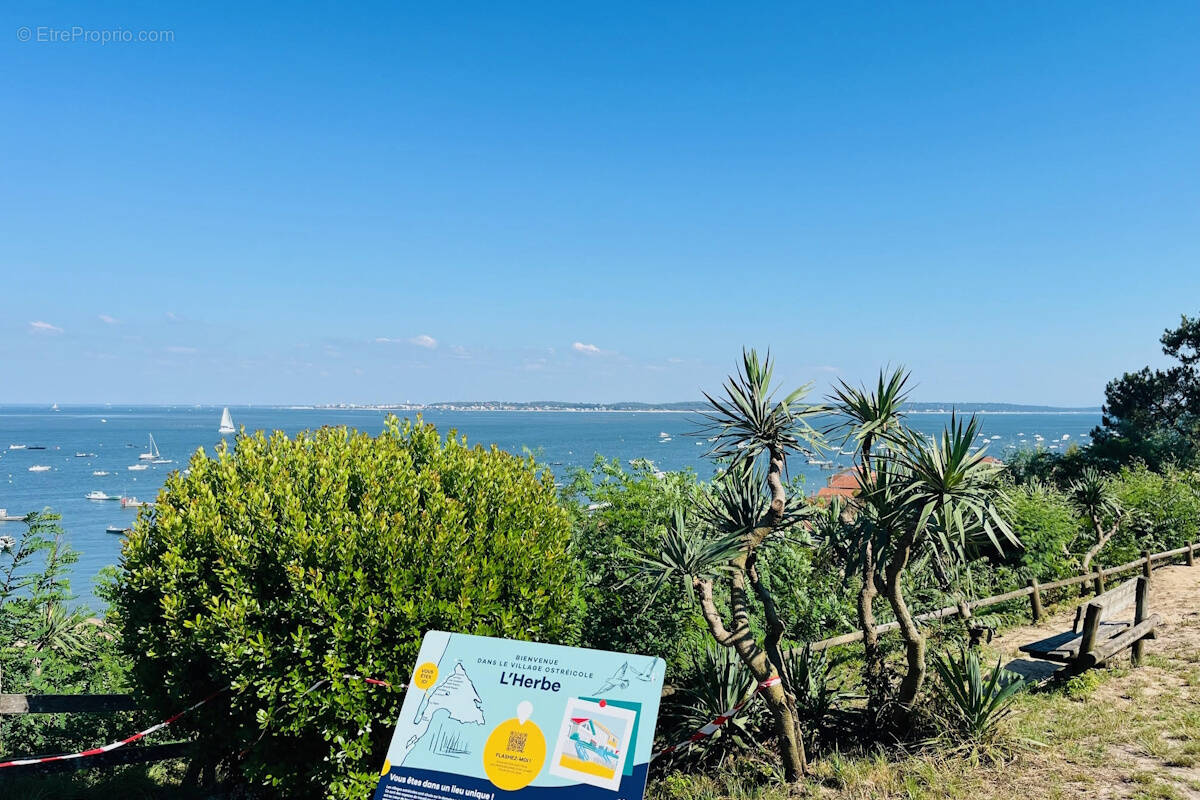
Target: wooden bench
{"points": [[1096, 636]]}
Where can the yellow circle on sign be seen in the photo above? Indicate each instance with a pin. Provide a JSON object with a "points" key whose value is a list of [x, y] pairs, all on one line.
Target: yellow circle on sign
{"points": [[425, 675], [514, 754], [387, 767]]}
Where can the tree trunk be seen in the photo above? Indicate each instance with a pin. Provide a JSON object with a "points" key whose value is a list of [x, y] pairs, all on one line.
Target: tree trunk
{"points": [[873, 675], [741, 639], [914, 640]]}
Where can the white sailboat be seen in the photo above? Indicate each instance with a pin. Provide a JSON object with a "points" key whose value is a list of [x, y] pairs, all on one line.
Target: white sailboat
{"points": [[226, 423], [152, 454]]}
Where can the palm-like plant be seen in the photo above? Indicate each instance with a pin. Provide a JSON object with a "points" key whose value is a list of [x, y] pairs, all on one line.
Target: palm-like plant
{"points": [[1093, 497], [938, 497], [748, 421], [867, 417], [718, 682], [977, 702], [747, 506]]}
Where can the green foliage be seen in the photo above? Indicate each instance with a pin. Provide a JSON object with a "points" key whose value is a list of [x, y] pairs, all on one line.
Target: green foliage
{"points": [[810, 674], [715, 682], [284, 561], [1081, 687], [748, 421], [1049, 530], [49, 647], [1153, 415], [1162, 511], [975, 703], [617, 514]]}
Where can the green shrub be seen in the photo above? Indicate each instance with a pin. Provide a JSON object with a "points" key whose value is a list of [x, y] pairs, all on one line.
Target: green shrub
{"points": [[1162, 512], [287, 561], [619, 511], [1049, 530]]}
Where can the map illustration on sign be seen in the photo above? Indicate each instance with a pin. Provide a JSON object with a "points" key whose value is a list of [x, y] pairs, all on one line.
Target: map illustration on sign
{"points": [[491, 718]]}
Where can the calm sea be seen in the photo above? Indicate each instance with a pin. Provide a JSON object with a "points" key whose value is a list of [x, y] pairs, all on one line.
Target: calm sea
{"points": [[561, 440]]}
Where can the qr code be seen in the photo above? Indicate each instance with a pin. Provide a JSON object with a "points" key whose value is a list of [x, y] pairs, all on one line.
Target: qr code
{"points": [[516, 742]]}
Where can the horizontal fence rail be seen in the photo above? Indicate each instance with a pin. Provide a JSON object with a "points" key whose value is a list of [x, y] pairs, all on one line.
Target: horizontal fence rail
{"points": [[66, 703], [1033, 591]]}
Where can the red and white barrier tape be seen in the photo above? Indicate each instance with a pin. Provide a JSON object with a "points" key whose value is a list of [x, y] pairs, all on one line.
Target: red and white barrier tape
{"points": [[711, 728], [705, 732], [23, 762]]}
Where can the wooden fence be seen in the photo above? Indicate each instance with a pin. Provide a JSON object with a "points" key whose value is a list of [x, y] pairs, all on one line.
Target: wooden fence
{"points": [[1033, 591], [134, 754]]}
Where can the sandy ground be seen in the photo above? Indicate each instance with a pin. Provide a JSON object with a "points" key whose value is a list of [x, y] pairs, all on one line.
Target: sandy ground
{"points": [[1146, 715]]}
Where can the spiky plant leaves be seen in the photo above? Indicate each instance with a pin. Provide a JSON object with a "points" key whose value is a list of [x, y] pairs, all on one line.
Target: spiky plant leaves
{"points": [[976, 702], [748, 421]]}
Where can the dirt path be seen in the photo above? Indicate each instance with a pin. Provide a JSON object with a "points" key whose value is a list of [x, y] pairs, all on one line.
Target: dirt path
{"points": [[1126, 733]]}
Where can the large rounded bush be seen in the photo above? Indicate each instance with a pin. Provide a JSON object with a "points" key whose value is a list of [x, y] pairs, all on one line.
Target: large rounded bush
{"points": [[284, 561]]}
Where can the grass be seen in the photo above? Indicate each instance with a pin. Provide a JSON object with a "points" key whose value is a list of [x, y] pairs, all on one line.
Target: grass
{"points": [[1117, 732]]}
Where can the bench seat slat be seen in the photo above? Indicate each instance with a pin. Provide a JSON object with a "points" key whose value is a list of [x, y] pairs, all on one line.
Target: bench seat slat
{"points": [[1064, 647]]}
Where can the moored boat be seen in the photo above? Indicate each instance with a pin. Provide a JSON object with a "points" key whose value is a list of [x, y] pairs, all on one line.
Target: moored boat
{"points": [[226, 422]]}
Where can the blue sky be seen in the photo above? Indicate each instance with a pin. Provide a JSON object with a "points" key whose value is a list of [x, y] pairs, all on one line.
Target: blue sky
{"points": [[592, 201]]}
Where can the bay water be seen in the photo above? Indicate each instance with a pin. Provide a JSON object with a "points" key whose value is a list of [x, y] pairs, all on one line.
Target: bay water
{"points": [[111, 438]]}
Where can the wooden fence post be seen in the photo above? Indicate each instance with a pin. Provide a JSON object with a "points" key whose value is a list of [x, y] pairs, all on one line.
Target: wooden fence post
{"points": [[1091, 625], [1140, 613], [1035, 600], [1148, 566], [1191, 555], [1098, 581]]}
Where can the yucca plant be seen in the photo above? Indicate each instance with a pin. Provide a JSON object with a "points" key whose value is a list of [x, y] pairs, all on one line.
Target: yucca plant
{"points": [[936, 497], [717, 682], [749, 506], [869, 417], [975, 702], [1092, 495]]}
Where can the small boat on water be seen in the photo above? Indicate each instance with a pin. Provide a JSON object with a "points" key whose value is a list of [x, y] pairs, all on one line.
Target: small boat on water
{"points": [[55, 407], [116, 529], [133, 502], [16, 447], [6, 517], [152, 453], [39, 468], [98, 495], [226, 423], [101, 472], [36, 447], [137, 467], [85, 455]]}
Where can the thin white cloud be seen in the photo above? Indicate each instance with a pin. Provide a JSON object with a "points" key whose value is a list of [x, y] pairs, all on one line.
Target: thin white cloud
{"points": [[588, 349], [424, 340], [107, 320], [44, 327]]}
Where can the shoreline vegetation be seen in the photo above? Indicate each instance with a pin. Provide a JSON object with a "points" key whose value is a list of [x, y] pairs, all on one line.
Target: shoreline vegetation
{"points": [[685, 407]]}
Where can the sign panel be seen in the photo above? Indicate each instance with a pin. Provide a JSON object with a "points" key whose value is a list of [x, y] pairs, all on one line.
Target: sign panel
{"points": [[488, 719]]}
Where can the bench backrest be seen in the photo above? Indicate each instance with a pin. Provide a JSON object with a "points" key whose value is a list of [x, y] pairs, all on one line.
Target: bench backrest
{"points": [[1111, 603]]}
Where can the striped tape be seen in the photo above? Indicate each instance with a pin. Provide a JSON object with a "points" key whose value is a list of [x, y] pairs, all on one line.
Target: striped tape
{"points": [[712, 727], [95, 751], [704, 733]]}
